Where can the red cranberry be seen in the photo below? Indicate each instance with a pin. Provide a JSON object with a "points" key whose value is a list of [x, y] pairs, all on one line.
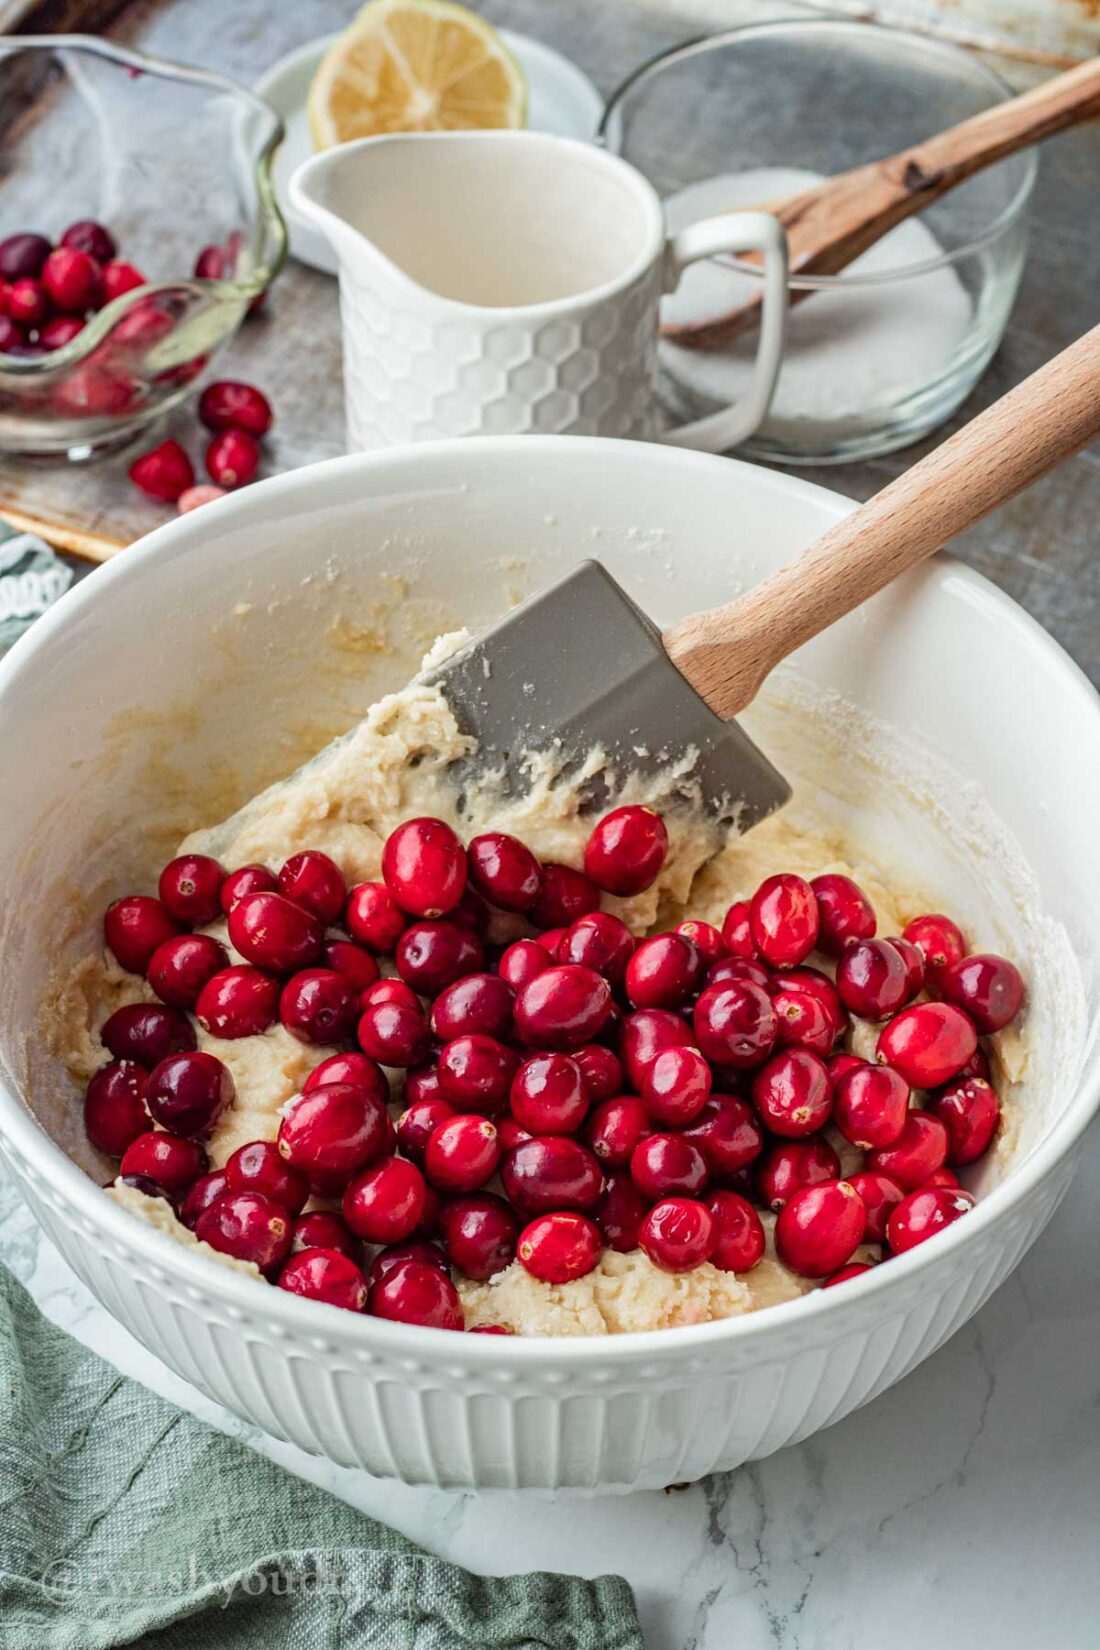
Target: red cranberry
{"points": [[73, 280], [319, 1006], [871, 1106], [802, 1020], [374, 917], [357, 1069], [171, 1161], [147, 1187], [677, 1086], [504, 871], [913, 958], [615, 1128], [548, 1095], [399, 1254], [144, 325], [813, 983], [424, 867], [462, 1153], [418, 1122], [59, 331], [325, 1275], [164, 472], [559, 1247], [28, 304], [23, 255], [422, 1083], [563, 1008], [227, 405], [320, 1229], [88, 236], [93, 392], [855, 1269], [232, 459], [793, 1165], [928, 1043], [940, 940], [551, 1172], [739, 1236], [190, 889], [881, 1196], [820, 1228], [521, 962], [706, 939], [390, 991], [990, 989], [272, 932], [146, 1032], [477, 1003], [735, 1024], [133, 927], [357, 966], [663, 972], [211, 264], [432, 955], [872, 979], [248, 1227], [919, 1151], [258, 1167], [645, 1035], [550, 939], [479, 1235], [314, 882], [943, 1177], [977, 1066], [566, 895], [970, 1112], [476, 1072], [737, 930], [678, 1234], [844, 913], [618, 1212], [120, 277], [793, 1093], [334, 1130], [784, 920], [601, 1071], [385, 1202], [114, 1106], [626, 850], [394, 1034], [250, 879], [510, 1133], [727, 1133], [188, 1092], [667, 1165], [416, 1293], [181, 966], [489, 1329], [598, 941], [924, 1213], [207, 1189]]}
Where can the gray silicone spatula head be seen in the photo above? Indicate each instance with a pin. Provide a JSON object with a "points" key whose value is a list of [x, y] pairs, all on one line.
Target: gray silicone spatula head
{"points": [[579, 667]]}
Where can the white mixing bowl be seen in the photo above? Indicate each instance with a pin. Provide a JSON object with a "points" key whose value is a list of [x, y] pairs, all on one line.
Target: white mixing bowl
{"points": [[207, 659]]}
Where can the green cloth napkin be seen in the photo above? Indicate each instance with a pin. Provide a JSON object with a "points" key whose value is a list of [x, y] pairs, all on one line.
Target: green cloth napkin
{"points": [[124, 1520]]}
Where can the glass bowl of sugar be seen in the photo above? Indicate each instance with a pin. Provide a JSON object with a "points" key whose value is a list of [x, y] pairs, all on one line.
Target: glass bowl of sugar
{"points": [[884, 351]]}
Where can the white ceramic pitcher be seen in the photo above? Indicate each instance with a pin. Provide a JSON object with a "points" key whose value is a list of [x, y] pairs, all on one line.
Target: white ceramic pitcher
{"points": [[505, 282]]}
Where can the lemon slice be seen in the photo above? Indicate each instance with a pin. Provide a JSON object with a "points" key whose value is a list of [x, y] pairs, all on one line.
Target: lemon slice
{"points": [[415, 66]]}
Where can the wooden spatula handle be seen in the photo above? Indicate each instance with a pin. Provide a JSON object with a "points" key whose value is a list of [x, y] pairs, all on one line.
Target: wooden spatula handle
{"points": [[727, 653]]}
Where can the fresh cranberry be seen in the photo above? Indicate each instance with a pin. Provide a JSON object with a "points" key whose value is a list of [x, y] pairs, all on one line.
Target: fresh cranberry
{"points": [[146, 1032], [415, 1293], [678, 1234], [820, 1228], [325, 1275], [120, 277], [742, 968], [475, 1072], [970, 1112], [227, 405], [425, 1254], [739, 1235], [977, 1066], [418, 1122], [250, 879], [706, 939], [598, 941], [626, 850], [356, 965], [913, 958], [928, 1043], [462, 1153], [207, 1189], [562, 1008], [793, 1093], [871, 1105], [187, 1093], [148, 1187], [784, 919], [793, 1165], [551, 1172], [313, 881], [667, 1165], [424, 867], [990, 989], [601, 1071], [73, 279], [479, 1235], [171, 1161], [23, 255], [190, 889], [735, 1024], [521, 962], [272, 932], [504, 871], [881, 1196], [559, 1247], [618, 1212], [940, 940], [144, 324], [802, 1020], [133, 927], [28, 304], [844, 913], [357, 1069], [59, 331], [510, 1132], [919, 1151], [614, 1128], [374, 917], [737, 930], [663, 972], [872, 979], [394, 1034], [238, 1002], [645, 1035], [88, 236], [855, 1269], [258, 1167], [550, 939], [489, 1329], [334, 1130], [232, 459], [211, 264], [566, 895], [422, 1083], [248, 1227], [320, 1229], [727, 1133], [432, 955], [477, 1003], [677, 1086], [319, 1006], [181, 966], [114, 1106], [943, 1177], [924, 1213], [839, 1064], [548, 1095], [390, 991], [385, 1202]]}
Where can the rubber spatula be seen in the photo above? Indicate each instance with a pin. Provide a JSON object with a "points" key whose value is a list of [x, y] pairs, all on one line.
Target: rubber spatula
{"points": [[579, 667]]}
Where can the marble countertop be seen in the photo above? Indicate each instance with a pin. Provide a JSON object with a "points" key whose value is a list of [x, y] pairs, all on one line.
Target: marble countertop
{"points": [[959, 1509]]}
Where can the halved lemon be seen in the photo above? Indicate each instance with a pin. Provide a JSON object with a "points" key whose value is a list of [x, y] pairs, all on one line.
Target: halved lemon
{"points": [[415, 66]]}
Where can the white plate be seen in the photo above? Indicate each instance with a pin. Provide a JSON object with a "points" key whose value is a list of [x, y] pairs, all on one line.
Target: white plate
{"points": [[561, 100]]}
